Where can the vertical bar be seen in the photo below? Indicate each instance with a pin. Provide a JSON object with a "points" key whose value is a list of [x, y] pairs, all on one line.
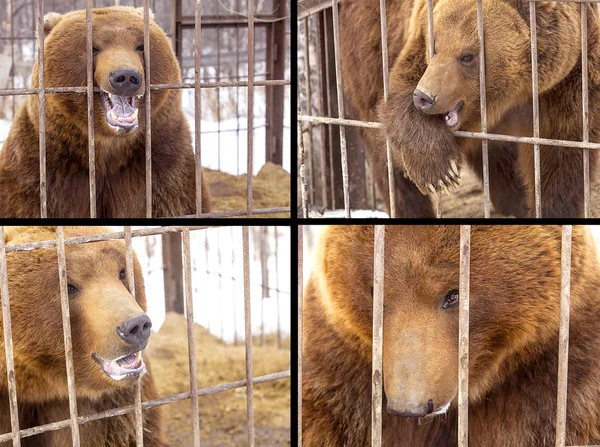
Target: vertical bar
{"points": [[340, 99], [237, 92], [90, 108], [300, 329], [482, 103], [386, 92], [218, 30], [129, 272], [198, 104], [309, 112], [11, 24], [235, 341], [584, 103], [66, 321], [189, 313], [10, 361], [277, 288], [248, 326], [463, 336], [329, 106], [431, 49], [148, 112], [250, 125], [42, 108], [323, 95], [378, 296], [563, 335], [302, 170], [536, 107]]}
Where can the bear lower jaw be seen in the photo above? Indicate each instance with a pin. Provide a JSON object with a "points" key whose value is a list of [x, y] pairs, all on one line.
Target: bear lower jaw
{"points": [[130, 365], [121, 111], [451, 117]]}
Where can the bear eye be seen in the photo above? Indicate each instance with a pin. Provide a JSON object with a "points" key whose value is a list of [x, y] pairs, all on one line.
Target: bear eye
{"points": [[139, 48], [122, 274], [451, 299], [71, 289], [467, 58], [95, 50]]}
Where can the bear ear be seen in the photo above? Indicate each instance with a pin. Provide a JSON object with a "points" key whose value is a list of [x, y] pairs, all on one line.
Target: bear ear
{"points": [[140, 11], [50, 21]]}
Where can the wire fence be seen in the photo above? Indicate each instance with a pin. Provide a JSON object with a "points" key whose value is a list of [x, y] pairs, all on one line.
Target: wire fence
{"points": [[463, 334], [197, 85], [326, 13], [138, 406]]}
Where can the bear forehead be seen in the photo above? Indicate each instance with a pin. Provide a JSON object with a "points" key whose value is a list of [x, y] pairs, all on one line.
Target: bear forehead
{"points": [[104, 20]]}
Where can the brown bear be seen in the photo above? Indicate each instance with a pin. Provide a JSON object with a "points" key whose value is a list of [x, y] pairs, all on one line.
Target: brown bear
{"points": [[515, 287], [432, 97], [119, 123], [109, 333]]}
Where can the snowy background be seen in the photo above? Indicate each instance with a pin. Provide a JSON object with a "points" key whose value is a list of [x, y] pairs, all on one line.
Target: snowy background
{"points": [[218, 280]]}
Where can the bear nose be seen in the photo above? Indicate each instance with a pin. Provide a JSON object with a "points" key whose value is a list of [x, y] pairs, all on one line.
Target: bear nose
{"points": [[125, 82], [136, 331], [422, 101], [418, 410]]}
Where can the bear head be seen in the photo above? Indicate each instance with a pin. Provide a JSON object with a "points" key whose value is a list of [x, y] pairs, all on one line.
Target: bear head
{"points": [[118, 70], [515, 285], [109, 326]]}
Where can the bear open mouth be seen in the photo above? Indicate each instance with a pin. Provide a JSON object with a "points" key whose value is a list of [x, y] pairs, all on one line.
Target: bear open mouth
{"points": [[121, 111], [441, 410], [126, 366], [451, 117]]}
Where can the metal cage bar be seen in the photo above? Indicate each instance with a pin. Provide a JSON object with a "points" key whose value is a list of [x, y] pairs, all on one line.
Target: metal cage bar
{"points": [[536, 109], [250, 125], [189, 313], [300, 327], [198, 103], [463, 336], [42, 110], [147, 112], [248, 336], [563, 337], [90, 108], [130, 274], [8, 346], [482, 102], [303, 192], [378, 298], [66, 321], [585, 110]]}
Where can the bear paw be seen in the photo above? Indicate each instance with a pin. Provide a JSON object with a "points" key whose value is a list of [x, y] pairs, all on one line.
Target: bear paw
{"points": [[422, 146]]}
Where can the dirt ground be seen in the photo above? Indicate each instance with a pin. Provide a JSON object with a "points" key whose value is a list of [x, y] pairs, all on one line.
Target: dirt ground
{"points": [[467, 200], [222, 415], [270, 189]]}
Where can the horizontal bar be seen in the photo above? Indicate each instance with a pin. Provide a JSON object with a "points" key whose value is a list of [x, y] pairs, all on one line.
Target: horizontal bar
{"points": [[460, 133], [145, 405], [257, 83], [313, 9], [255, 211]]}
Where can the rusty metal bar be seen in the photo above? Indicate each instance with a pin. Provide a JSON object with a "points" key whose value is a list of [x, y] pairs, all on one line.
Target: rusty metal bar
{"points": [[300, 328], [66, 321], [145, 405], [90, 108], [340, 100], [42, 110], [563, 335], [327, 64], [463, 336], [276, 237], [309, 112], [129, 272], [198, 104], [250, 125], [378, 297], [584, 103], [315, 9], [386, 92], [482, 103], [8, 346], [154, 87], [11, 24], [302, 170], [248, 326], [189, 313], [147, 112], [536, 109]]}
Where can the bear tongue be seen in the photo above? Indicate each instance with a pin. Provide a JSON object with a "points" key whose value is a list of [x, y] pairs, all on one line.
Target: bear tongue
{"points": [[121, 106], [451, 118]]}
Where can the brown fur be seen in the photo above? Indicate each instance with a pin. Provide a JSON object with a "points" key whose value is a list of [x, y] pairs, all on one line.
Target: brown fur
{"points": [[514, 319], [423, 147], [120, 158], [102, 303]]}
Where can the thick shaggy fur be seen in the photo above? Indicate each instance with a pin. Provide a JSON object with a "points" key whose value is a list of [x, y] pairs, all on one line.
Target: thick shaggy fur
{"points": [[120, 159], [102, 303], [423, 147], [513, 355]]}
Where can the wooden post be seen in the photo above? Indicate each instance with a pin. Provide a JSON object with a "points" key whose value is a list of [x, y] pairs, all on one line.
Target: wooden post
{"points": [[173, 272]]}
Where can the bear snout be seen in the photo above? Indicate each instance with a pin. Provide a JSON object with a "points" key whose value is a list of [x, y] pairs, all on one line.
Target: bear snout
{"points": [[422, 100], [410, 410], [125, 82], [136, 331]]}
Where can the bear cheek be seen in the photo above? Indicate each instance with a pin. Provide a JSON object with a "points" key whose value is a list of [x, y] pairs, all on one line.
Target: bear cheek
{"points": [[419, 365]]}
